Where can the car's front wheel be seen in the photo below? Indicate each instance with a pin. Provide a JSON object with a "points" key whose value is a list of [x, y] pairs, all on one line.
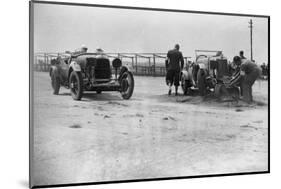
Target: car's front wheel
{"points": [[201, 82], [55, 83], [184, 85], [76, 85], [127, 85]]}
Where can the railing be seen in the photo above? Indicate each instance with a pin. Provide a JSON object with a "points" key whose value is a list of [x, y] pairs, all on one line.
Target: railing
{"points": [[148, 64]]}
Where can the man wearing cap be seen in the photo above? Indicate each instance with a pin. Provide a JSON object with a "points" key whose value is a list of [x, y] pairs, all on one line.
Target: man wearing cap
{"points": [[174, 64], [243, 58], [84, 49], [247, 76], [81, 50], [100, 53]]}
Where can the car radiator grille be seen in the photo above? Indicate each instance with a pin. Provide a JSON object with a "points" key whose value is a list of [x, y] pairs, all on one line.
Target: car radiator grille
{"points": [[101, 67]]}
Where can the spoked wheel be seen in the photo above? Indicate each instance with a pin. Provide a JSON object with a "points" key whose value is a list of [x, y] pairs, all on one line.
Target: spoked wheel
{"points": [[127, 85], [76, 85], [184, 85], [201, 82], [55, 83]]}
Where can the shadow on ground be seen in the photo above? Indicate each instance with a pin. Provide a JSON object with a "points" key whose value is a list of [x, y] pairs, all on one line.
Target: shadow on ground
{"points": [[208, 99], [105, 96]]}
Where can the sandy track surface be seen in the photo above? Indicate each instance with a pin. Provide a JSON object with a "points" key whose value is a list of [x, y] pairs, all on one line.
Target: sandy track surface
{"points": [[152, 135]]}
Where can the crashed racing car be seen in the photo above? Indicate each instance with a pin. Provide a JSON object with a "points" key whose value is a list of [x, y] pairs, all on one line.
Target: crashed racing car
{"points": [[91, 72]]}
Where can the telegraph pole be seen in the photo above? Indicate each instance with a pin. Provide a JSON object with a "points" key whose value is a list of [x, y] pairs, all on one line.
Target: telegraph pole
{"points": [[251, 37]]}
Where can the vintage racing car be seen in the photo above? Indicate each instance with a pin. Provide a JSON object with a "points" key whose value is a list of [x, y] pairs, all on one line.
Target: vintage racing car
{"points": [[209, 71], [91, 72]]}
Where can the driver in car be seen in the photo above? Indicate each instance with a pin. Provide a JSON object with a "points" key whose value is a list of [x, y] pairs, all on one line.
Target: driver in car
{"points": [[100, 53]]}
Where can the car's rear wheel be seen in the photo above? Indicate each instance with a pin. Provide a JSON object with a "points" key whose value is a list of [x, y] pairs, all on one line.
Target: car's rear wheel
{"points": [[127, 84], [55, 83], [184, 85], [76, 85], [201, 82]]}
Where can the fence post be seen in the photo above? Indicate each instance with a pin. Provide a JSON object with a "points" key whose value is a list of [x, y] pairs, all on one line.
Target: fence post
{"points": [[149, 66], [154, 69], [43, 63], [133, 62], [136, 56], [46, 63]]}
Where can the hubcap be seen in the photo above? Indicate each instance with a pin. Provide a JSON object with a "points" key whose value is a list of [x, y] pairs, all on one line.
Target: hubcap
{"points": [[71, 85]]}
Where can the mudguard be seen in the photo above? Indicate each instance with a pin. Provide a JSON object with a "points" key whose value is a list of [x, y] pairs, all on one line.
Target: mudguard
{"points": [[202, 66], [75, 66], [128, 67], [122, 70]]}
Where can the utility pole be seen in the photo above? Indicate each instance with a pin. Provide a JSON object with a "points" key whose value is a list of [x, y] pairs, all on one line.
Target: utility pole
{"points": [[251, 37]]}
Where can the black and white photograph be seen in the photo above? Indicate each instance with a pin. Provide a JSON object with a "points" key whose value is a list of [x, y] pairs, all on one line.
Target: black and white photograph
{"points": [[135, 94]]}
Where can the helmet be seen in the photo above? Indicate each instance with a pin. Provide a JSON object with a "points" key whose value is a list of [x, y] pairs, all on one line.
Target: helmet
{"points": [[84, 47], [99, 50], [219, 53], [237, 60]]}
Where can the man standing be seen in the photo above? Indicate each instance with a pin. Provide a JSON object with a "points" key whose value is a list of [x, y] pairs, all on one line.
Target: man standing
{"points": [[249, 72], [241, 54], [174, 64]]}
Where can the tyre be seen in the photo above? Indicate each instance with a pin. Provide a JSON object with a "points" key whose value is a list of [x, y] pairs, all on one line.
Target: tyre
{"points": [[234, 92], [55, 83], [184, 85], [76, 85], [127, 84], [201, 82], [98, 91], [218, 90]]}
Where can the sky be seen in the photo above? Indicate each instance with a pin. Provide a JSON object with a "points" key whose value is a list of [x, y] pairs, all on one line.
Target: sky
{"points": [[58, 28]]}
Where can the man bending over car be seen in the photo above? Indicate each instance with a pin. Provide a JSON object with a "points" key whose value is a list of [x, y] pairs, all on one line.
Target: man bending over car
{"points": [[247, 76]]}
